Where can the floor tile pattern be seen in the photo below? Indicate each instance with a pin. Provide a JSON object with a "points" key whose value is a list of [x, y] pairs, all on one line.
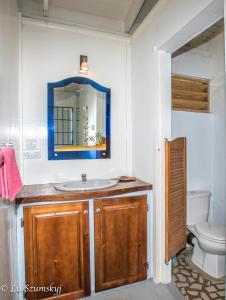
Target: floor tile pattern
{"points": [[193, 284]]}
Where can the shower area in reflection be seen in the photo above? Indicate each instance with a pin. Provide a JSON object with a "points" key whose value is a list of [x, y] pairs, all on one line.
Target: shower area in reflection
{"points": [[79, 118]]}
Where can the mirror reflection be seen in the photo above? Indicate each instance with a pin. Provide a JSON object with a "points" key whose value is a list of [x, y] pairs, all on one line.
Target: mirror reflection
{"points": [[79, 118]]}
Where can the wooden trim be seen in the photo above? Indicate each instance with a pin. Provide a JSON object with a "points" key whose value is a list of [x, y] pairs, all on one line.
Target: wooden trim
{"points": [[166, 200], [47, 192], [86, 252]]}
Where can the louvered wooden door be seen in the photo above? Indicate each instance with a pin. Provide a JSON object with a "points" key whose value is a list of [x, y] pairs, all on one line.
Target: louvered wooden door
{"points": [[175, 197]]}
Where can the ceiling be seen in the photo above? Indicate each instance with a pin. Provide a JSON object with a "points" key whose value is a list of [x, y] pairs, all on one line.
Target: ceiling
{"points": [[108, 15], [116, 9], [202, 38]]}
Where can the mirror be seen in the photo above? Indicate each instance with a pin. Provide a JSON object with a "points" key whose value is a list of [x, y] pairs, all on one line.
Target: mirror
{"points": [[79, 119]]}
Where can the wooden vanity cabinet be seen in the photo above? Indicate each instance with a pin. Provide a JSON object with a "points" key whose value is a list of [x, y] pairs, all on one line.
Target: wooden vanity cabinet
{"points": [[57, 250], [120, 241]]}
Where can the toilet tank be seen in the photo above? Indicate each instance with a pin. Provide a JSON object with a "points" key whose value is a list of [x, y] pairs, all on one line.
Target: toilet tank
{"points": [[198, 203]]}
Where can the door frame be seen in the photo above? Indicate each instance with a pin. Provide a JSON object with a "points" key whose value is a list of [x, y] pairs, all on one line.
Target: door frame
{"points": [[211, 14]]}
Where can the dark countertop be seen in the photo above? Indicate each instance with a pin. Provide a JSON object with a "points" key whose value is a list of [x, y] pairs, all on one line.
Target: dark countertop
{"points": [[47, 192]]}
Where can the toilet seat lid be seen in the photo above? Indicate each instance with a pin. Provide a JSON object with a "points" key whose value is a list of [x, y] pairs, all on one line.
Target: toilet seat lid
{"points": [[212, 231]]}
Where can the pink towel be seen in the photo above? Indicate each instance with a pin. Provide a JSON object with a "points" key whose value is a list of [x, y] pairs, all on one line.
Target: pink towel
{"points": [[1, 170], [10, 181]]}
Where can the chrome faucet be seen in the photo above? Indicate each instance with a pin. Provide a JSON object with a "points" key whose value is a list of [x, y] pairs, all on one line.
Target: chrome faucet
{"points": [[84, 179]]}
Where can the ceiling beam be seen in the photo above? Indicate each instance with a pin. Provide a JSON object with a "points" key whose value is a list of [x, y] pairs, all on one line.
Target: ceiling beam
{"points": [[19, 5], [45, 8], [132, 14], [202, 38], [146, 7]]}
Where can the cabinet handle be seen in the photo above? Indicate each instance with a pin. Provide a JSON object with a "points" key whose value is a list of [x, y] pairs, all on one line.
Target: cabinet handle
{"points": [[97, 210], [85, 211]]}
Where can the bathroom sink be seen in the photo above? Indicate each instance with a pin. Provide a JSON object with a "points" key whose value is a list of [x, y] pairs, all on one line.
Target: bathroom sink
{"points": [[95, 184]]}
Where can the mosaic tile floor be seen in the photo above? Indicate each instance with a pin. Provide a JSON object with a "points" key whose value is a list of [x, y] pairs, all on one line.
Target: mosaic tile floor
{"points": [[192, 283]]}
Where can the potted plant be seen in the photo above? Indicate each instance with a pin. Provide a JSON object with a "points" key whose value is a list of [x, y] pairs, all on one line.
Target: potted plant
{"points": [[99, 137]]}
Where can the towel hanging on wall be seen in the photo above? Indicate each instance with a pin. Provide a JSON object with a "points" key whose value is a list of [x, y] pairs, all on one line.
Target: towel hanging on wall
{"points": [[10, 180]]}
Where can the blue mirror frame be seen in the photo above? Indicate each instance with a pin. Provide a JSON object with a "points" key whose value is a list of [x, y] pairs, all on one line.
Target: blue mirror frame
{"points": [[86, 154]]}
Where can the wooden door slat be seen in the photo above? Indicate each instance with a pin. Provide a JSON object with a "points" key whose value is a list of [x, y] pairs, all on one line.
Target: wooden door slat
{"points": [[190, 95]]}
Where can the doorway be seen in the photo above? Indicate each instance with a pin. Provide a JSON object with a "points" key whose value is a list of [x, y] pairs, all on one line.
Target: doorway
{"points": [[199, 114], [213, 13]]}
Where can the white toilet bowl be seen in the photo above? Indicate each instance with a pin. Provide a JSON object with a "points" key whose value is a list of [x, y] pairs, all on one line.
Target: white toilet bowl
{"points": [[209, 248]]}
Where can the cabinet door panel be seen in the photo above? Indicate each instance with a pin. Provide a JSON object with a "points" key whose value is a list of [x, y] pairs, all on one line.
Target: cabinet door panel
{"points": [[120, 241], [57, 249]]}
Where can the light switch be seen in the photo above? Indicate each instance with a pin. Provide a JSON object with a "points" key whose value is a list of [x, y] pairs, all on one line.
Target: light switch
{"points": [[32, 154]]}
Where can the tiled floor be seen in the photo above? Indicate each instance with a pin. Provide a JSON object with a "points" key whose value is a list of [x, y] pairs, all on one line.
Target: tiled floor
{"points": [[192, 283]]}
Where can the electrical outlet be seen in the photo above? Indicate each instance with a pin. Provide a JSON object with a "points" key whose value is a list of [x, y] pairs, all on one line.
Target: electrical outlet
{"points": [[32, 154]]}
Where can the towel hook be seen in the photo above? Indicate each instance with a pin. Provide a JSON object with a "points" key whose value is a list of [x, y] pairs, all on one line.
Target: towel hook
{"points": [[6, 145]]}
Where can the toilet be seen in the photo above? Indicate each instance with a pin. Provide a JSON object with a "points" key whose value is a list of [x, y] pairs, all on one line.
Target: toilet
{"points": [[209, 240]]}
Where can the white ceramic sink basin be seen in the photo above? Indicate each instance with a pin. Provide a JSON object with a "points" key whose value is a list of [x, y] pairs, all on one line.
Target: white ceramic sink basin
{"points": [[95, 184]]}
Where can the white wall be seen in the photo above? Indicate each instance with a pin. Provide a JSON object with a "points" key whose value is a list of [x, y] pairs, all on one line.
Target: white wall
{"points": [[52, 54], [9, 81], [197, 129], [218, 108], [195, 126], [9, 131], [205, 132]]}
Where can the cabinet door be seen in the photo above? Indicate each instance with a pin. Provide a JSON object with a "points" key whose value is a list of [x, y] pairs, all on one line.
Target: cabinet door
{"points": [[57, 250], [120, 241]]}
